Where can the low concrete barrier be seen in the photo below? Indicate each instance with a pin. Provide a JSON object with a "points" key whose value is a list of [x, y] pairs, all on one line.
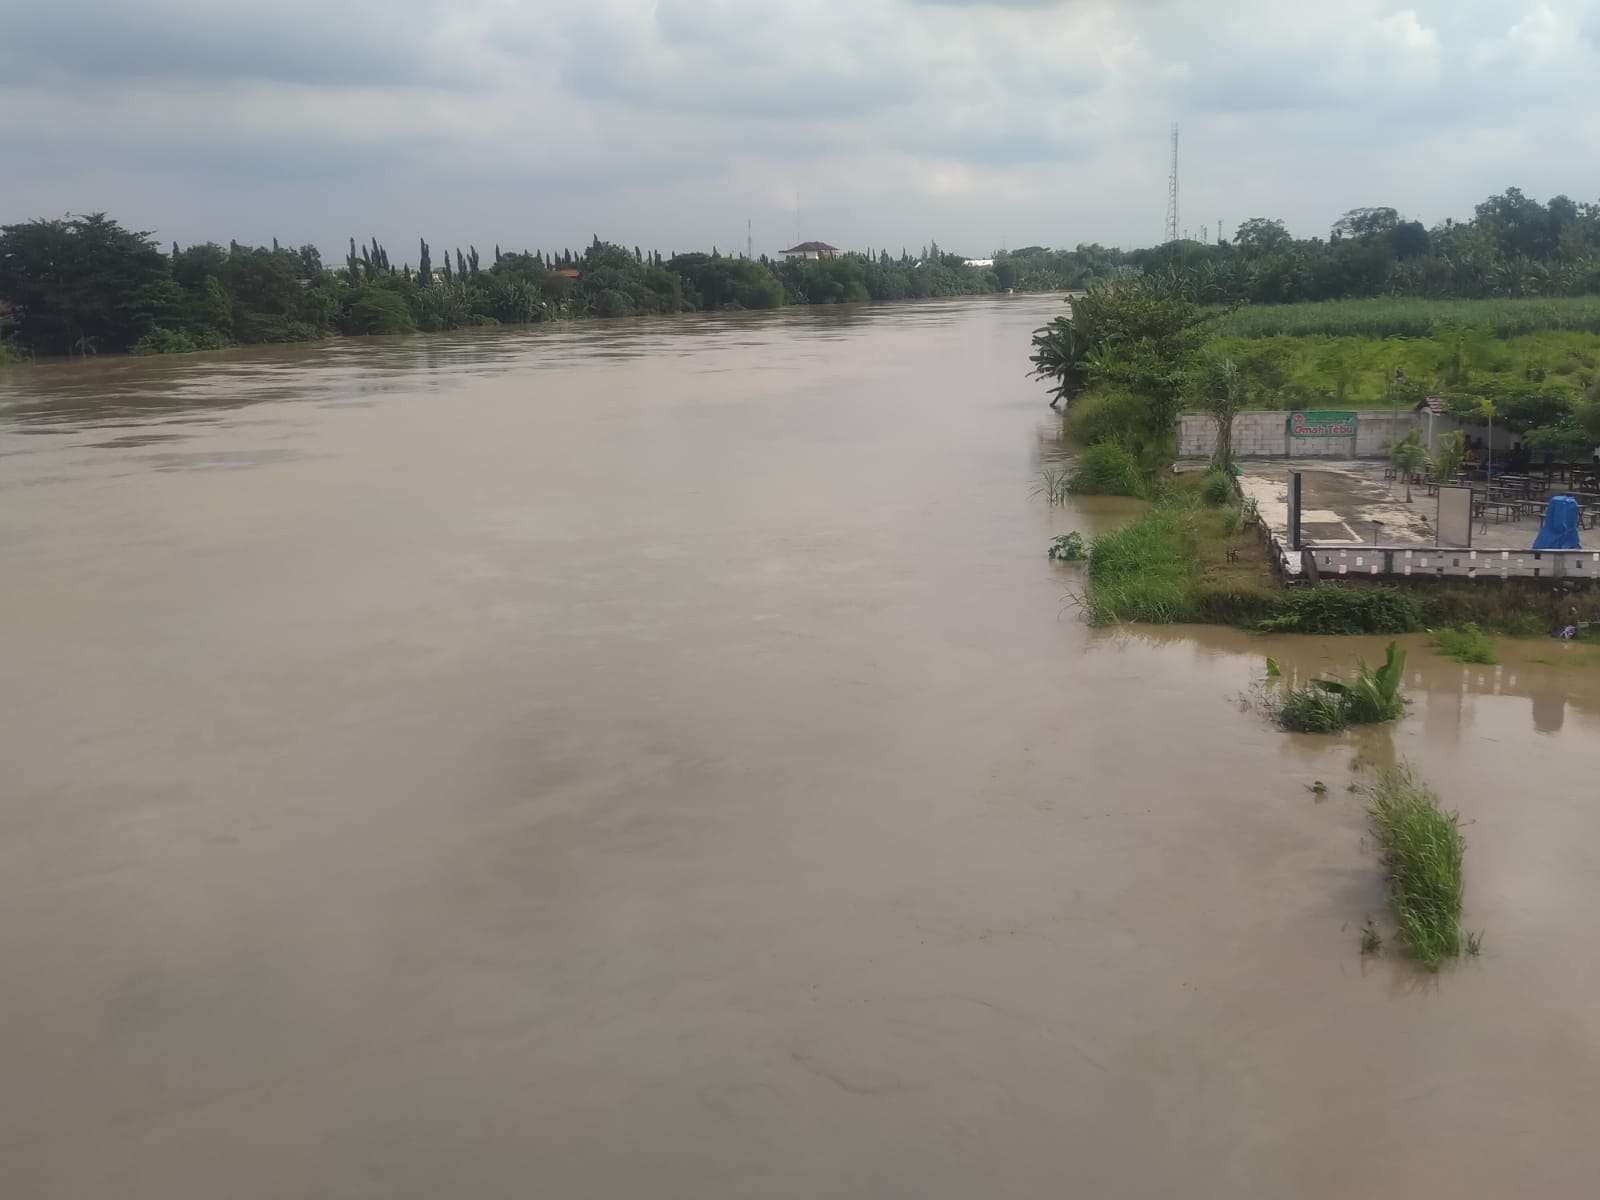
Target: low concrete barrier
{"points": [[1399, 562]]}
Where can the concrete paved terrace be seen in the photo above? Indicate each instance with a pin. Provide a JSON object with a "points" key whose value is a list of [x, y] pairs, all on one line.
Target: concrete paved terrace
{"points": [[1349, 501]]}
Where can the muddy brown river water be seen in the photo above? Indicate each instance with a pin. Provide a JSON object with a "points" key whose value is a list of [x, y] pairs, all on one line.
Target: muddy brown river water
{"points": [[657, 759]]}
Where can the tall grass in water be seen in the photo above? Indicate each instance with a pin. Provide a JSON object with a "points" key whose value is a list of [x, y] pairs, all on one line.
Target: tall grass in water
{"points": [[1422, 849], [1052, 485], [1311, 710]]}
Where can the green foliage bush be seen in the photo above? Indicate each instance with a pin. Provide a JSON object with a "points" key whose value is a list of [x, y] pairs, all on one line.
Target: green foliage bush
{"points": [[1219, 488], [1107, 469], [1469, 644], [1068, 547], [377, 310], [1338, 608], [164, 341], [1103, 415]]}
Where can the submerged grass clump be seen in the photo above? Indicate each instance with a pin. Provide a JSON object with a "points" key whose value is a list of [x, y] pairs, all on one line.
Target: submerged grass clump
{"points": [[1422, 848], [1469, 644], [1328, 705], [1311, 710]]}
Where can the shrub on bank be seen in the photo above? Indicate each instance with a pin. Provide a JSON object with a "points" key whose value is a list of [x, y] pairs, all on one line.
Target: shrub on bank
{"points": [[1338, 608], [1219, 488], [1107, 469], [1104, 415]]}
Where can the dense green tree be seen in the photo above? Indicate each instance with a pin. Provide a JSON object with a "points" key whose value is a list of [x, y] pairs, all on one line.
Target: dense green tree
{"points": [[80, 284]]}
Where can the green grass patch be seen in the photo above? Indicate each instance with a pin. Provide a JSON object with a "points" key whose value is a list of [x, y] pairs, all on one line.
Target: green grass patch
{"points": [[1107, 469], [1355, 370], [1180, 561], [1386, 317], [1342, 608], [1422, 848], [1469, 644]]}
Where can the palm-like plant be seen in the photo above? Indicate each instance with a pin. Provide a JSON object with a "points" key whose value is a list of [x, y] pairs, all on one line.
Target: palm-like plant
{"points": [[1409, 457], [1447, 459]]}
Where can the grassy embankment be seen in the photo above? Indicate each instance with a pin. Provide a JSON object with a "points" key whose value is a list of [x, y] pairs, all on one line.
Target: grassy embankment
{"points": [[1184, 560]]}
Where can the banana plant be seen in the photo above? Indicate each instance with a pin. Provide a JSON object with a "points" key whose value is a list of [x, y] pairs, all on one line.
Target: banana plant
{"points": [[1372, 696]]}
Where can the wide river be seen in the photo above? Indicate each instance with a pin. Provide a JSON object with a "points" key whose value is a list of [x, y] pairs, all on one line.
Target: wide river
{"points": [[656, 759]]}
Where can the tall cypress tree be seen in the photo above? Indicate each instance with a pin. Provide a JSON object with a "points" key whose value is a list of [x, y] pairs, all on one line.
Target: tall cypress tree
{"points": [[497, 254], [274, 245], [461, 264], [353, 263], [448, 275], [472, 258], [424, 264]]}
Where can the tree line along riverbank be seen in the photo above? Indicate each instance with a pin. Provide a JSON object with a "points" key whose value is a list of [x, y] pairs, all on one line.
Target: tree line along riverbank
{"points": [[87, 285]]}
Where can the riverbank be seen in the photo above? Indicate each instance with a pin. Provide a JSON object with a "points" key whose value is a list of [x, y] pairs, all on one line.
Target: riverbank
{"points": [[1203, 553]]}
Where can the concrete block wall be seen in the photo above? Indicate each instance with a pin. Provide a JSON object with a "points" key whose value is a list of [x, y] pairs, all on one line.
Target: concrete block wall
{"points": [[1261, 435]]}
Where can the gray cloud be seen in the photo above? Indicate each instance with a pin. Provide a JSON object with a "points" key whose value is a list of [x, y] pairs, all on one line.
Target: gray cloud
{"points": [[184, 40], [865, 122]]}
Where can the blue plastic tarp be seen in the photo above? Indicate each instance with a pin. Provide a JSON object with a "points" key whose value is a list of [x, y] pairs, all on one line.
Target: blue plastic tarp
{"points": [[1560, 528]]}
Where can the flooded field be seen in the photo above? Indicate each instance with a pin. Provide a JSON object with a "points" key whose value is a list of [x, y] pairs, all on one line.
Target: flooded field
{"points": [[657, 759]]}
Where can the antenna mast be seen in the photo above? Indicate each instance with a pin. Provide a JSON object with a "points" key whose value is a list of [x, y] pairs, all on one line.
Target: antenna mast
{"points": [[1172, 190]]}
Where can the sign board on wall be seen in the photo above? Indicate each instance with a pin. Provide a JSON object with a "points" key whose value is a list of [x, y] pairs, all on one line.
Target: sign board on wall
{"points": [[1318, 424]]}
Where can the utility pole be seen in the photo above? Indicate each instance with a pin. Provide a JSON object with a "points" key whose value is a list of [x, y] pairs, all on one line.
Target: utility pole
{"points": [[1172, 190]]}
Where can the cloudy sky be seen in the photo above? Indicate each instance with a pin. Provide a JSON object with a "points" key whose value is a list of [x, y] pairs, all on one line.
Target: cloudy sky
{"points": [[862, 122]]}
